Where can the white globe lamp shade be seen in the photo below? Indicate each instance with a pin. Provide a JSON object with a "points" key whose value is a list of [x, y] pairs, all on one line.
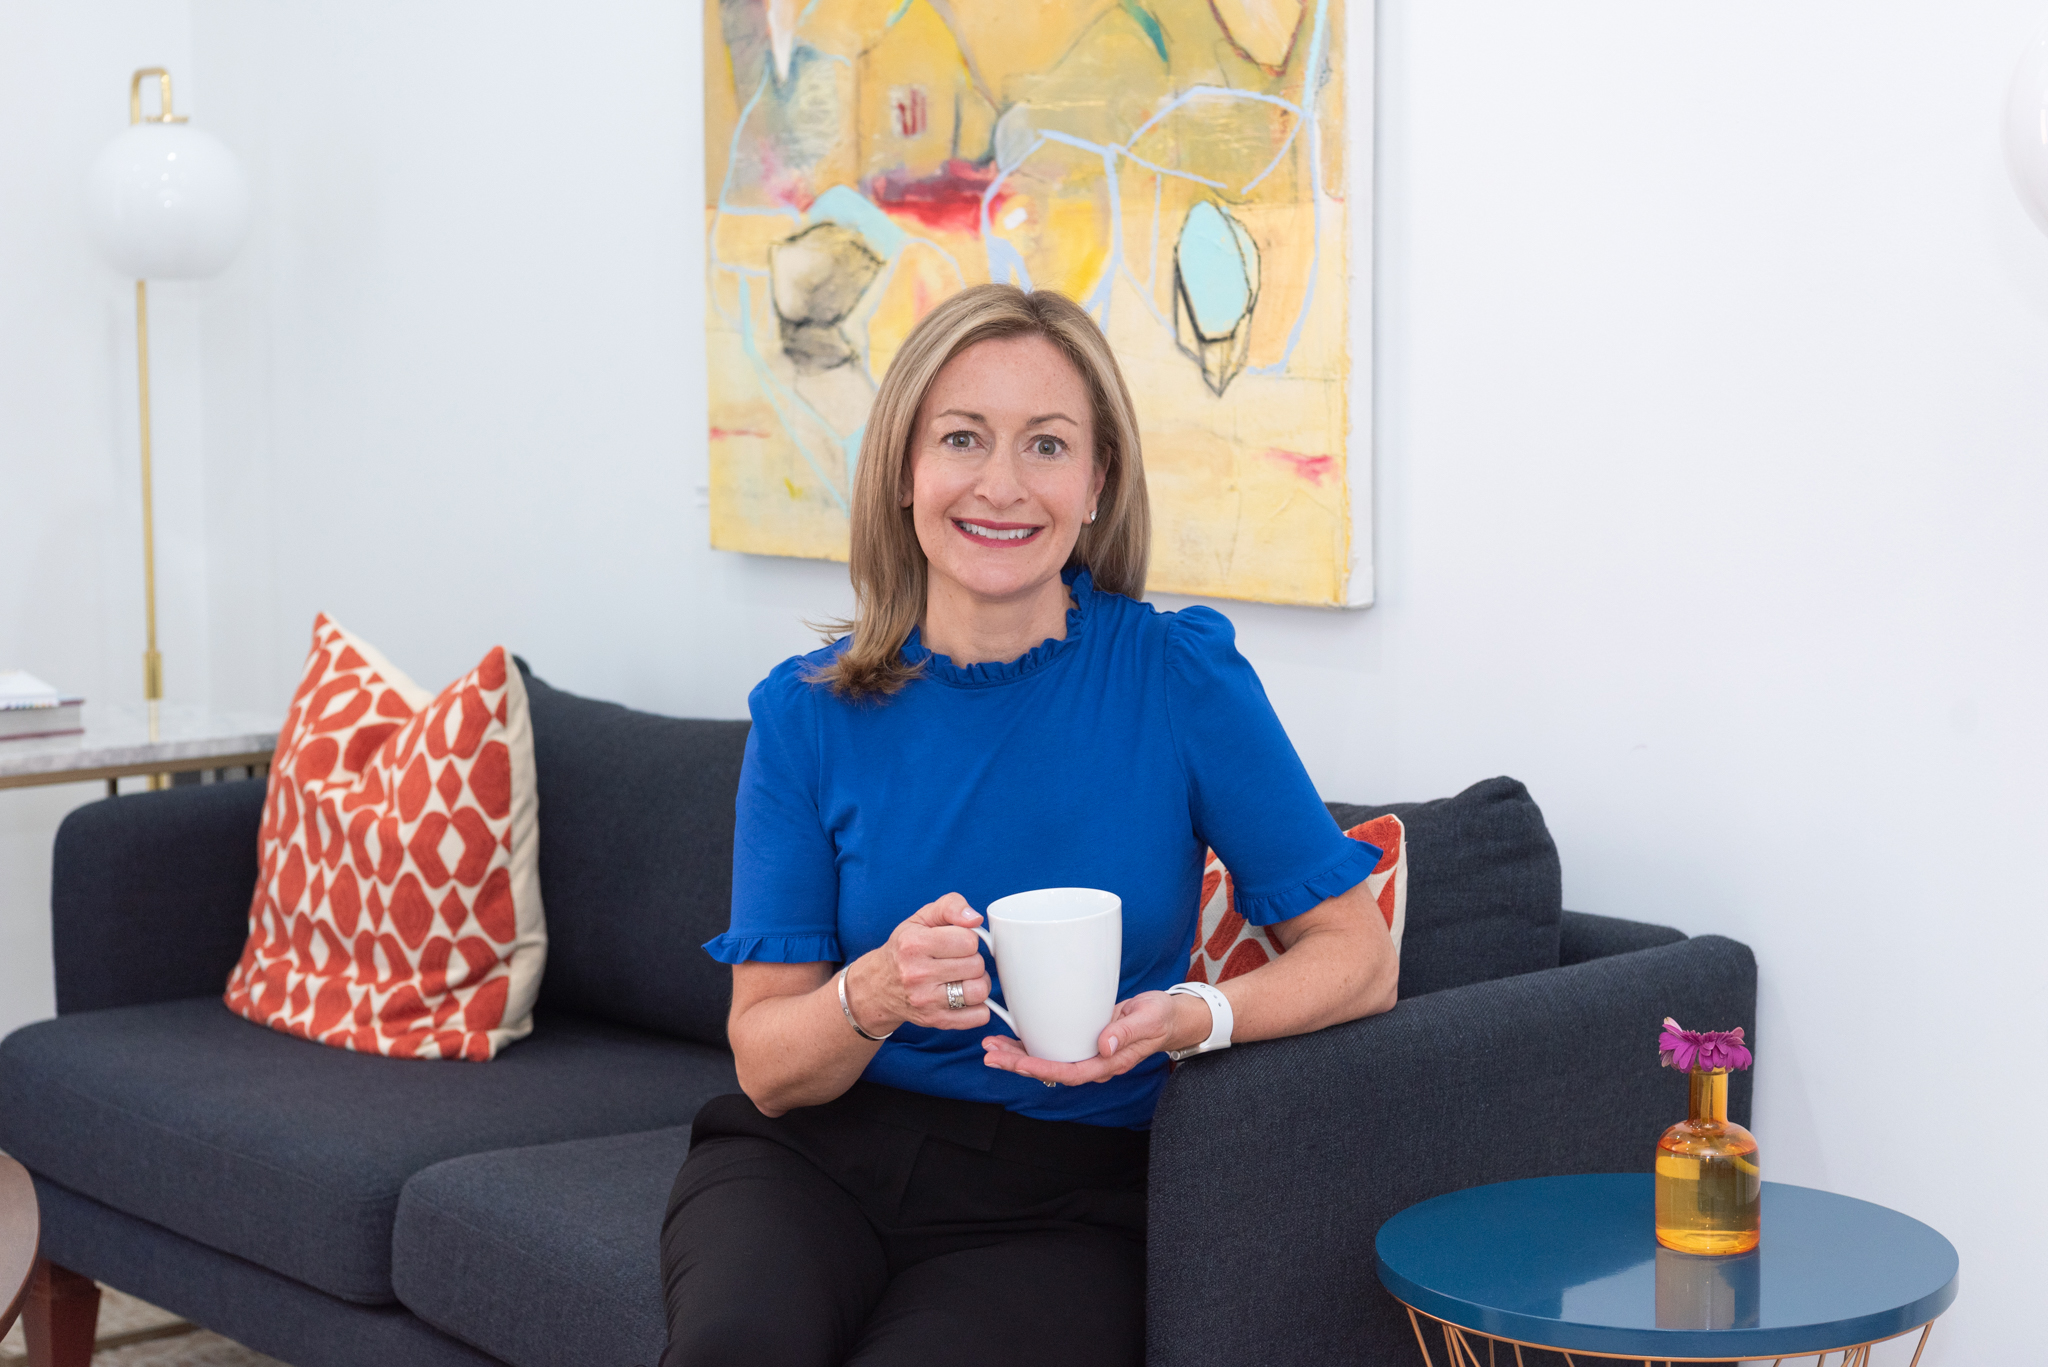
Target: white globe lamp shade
{"points": [[2026, 129], [167, 201]]}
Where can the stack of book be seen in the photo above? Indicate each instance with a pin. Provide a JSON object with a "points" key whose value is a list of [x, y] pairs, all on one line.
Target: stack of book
{"points": [[30, 707]]}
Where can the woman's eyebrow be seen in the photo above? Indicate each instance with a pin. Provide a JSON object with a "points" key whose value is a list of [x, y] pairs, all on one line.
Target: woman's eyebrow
{"points": [[1033, 422]]}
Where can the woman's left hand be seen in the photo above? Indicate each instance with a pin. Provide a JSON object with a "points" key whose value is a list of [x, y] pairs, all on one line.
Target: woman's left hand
{"points": [[1140, 1028]]}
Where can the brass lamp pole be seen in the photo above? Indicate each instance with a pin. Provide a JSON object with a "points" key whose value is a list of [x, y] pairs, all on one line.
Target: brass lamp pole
{"points": [[166, 202], [152, 662]]}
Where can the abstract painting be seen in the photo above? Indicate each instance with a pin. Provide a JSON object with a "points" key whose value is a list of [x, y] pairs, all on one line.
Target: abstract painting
{"points": [[1178, 167]]}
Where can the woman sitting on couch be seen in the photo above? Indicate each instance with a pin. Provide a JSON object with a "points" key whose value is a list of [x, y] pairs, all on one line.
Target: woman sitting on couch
{"points": [[902, 1183]]}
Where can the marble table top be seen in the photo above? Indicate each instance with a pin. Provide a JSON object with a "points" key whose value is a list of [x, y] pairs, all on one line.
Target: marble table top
{"points": [[116, 741]]}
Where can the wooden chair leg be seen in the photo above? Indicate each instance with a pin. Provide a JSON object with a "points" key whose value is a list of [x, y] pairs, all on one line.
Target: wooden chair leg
{"points": [[60, 1317]]}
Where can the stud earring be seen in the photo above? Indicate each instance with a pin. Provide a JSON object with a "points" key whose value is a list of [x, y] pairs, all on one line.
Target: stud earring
{"points": [[1091, 514]]}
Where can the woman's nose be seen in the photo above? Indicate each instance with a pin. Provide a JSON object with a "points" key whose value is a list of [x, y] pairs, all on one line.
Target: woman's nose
{"points": [[999, 486]]}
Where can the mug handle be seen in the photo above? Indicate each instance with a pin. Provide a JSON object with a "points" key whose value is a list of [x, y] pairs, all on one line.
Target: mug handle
{"points": [[991, 1002]]}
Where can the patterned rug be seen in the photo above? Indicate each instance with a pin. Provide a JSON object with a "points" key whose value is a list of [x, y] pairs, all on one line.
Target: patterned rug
{"points": [[134, 1333]]}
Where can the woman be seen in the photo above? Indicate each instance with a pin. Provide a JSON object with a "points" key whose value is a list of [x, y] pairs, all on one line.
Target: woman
{"points": [[901, 1182]]}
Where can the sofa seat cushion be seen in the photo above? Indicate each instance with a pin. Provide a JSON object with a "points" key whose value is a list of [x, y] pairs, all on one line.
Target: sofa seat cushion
{"points": [[547, 1256], [292, 1156]]}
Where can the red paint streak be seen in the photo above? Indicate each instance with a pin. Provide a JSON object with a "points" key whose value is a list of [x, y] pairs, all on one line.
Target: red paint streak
{"points": [[949, 199], [727, 433], [910, 112], [1314, 469]]}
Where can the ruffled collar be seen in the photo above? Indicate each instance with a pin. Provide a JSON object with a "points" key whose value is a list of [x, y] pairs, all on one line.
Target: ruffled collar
{"points": [[940, 667]]}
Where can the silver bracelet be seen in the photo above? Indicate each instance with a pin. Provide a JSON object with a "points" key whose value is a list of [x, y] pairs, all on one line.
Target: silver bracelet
{"points": [[849, 1012]]}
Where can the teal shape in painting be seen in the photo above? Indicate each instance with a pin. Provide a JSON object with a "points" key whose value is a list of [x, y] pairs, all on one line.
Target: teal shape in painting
{"points": [[1218, 270], [849, 208]]}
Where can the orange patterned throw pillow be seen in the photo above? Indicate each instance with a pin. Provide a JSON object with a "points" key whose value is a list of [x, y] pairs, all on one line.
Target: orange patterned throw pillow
{"points": [[397, 907], [1227, 944]]}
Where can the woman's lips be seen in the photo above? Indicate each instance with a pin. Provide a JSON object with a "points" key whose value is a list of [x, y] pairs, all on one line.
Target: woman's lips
{"points": [[998, 533]]}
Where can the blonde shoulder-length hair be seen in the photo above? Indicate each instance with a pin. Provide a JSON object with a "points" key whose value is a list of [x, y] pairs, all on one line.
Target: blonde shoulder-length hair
{"points": [[888, 568]]}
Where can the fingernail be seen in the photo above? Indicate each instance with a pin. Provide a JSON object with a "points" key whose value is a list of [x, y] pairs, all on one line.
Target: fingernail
{"points": [[1112, 1044]]}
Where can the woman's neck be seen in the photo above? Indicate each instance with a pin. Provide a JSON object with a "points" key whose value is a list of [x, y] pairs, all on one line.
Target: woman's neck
{"points": [[970, 630]]}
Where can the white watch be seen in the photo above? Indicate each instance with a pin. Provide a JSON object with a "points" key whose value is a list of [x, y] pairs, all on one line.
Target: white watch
{"points": [[1220, 1019]]}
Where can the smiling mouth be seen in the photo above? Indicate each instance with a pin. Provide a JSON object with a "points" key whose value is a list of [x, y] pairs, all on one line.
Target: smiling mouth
{"points": [[997, 533]]}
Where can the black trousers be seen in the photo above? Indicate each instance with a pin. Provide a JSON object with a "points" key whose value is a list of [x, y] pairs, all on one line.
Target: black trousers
{"points": [[891, 1228]]}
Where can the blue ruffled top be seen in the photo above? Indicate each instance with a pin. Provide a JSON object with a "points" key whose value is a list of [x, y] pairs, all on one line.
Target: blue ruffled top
{"points": [[937, 666], [1109, 758]]}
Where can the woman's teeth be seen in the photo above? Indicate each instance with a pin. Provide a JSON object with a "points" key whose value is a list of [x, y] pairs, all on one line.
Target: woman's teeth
{"points": [[1010, 534]]}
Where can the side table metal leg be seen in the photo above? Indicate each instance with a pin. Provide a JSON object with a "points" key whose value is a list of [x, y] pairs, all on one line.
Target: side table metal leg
{"points": [[1420, 1341]]}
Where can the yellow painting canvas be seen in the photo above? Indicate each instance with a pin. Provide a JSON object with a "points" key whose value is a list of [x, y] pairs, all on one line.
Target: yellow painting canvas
{"points": [[1178, 167]]}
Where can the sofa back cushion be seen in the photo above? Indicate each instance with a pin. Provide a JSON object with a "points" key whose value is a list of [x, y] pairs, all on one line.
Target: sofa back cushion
{"points": [[1485, 893], [636, 819]]}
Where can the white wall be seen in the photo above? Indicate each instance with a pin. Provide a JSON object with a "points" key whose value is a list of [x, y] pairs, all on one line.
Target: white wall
{"points": [[1710, 425], [70, 500]]}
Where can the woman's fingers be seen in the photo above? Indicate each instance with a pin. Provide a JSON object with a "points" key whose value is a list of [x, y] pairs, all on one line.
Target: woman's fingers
{"points": [[1144, 1019], [950, 910], [931, 1005], [940, 930], [1007, 1053], [1065, 1074], [973, 992], [966, 1018], [942, 942], [1136, 1031]]}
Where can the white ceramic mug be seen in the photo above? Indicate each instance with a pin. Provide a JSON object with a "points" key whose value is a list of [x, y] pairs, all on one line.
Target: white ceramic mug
{"points": [[1059, 956]]}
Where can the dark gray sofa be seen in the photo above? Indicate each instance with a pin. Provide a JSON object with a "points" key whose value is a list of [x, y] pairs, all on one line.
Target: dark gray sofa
{"points": [[337, 1210]]}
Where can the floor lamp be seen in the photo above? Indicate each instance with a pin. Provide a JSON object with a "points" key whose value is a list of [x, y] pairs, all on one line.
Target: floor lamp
{"points": [[165, 201], [2026, 128]]}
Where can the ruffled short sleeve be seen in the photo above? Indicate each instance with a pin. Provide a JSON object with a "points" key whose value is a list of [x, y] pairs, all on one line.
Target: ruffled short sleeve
{"points": [[1251, 799], [785, 879]]}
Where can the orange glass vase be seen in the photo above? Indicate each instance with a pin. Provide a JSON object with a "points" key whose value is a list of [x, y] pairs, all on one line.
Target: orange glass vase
{"points": [[1709, 1187]]}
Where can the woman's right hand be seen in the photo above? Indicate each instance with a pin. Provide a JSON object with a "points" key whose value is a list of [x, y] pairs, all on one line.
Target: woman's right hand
{"points": [[905, 979]]}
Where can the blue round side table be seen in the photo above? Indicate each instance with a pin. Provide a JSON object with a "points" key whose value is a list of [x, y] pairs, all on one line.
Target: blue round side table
{"points": [[1572, 1264]]}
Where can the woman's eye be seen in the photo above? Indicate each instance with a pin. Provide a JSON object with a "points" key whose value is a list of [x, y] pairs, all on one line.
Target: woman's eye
{"points": [[959, 441], [1046, 446]]}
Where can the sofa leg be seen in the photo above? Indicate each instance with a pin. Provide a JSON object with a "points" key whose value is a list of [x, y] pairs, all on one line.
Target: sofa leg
{"points": [[60, 1317]]}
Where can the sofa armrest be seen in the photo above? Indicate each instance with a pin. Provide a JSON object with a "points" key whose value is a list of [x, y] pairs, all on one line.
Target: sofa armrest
{"points": [[149, 896], [1583, 938], [1274, 1164]]}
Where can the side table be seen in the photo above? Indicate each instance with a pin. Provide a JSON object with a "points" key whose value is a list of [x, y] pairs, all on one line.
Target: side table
{"points": [[1572, 1264], [117, 744], [20, 1234]]}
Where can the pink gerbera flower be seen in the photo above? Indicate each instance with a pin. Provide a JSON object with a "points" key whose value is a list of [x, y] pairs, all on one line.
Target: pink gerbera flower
{"points": [[1705, 1050]]}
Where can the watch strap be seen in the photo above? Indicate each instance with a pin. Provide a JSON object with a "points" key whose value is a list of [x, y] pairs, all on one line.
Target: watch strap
{"points": [[1221, 1020]]}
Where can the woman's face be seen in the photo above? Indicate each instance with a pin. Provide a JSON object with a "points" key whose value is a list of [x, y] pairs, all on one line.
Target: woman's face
{"points": [[1002, 467]]}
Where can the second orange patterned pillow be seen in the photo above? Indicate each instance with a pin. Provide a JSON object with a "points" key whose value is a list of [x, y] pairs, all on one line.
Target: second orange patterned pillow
{"points": [[1227, 944], [397, 907]]}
